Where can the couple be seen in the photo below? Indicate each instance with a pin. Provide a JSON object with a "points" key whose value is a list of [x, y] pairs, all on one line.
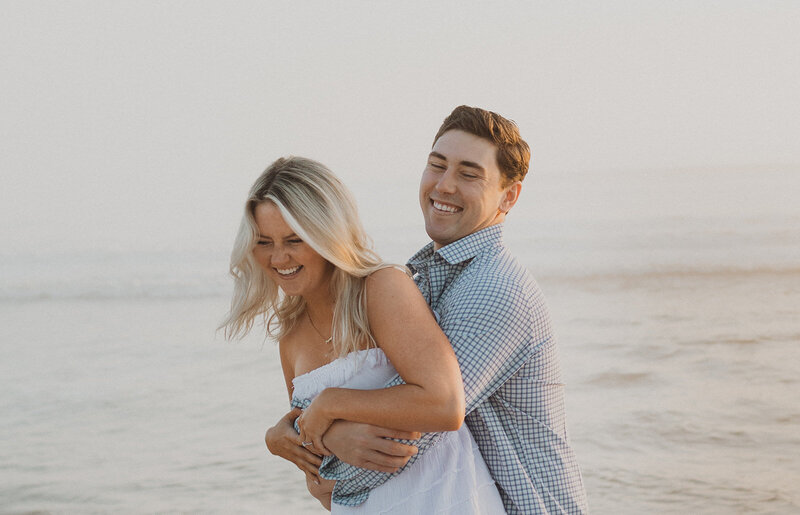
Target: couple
{"points": [[369, 362]]}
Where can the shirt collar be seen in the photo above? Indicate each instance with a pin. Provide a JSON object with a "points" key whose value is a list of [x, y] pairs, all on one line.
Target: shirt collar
{"points": [[460, 250]]}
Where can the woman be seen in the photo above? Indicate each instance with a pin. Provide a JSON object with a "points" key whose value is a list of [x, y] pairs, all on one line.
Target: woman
{"points": [[346, 323]]}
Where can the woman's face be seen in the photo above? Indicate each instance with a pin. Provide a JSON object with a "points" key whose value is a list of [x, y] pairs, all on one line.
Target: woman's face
{"points": [[294, 266]]}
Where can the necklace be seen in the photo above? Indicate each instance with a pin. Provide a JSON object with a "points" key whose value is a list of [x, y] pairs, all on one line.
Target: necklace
{"points": [[329, 340]]}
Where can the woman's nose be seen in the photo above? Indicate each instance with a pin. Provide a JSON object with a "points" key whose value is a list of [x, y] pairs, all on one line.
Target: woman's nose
{"points": [[279, 256]]}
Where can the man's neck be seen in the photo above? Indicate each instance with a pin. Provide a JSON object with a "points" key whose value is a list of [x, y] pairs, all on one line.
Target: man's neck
{"points": [[500, 218]]}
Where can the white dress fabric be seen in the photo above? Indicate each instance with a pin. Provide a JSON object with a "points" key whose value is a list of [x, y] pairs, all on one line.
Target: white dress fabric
{"points": [[451, 478]]}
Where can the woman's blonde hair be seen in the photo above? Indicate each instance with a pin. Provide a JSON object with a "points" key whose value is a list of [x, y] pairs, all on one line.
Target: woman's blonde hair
{"points": [[322, 212]]}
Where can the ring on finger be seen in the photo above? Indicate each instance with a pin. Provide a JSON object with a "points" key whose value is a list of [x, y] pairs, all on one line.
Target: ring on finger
{"points": [[306, 444]]}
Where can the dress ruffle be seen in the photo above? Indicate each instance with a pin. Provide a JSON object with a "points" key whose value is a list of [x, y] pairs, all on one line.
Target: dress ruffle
{"points": [[448, 480], [337, 372]]}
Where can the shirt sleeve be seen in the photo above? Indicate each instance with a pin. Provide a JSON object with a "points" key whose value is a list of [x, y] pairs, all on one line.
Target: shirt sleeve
{"points": [[495, 329]]}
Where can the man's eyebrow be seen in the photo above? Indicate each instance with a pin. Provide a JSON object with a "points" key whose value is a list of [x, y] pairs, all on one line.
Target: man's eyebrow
{"points": [[468, 164]]}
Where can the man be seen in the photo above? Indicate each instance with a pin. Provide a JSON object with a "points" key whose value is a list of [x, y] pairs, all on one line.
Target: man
{"points": [[494, 316]]}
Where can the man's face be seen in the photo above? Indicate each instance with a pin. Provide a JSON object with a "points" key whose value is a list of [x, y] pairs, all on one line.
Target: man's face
{"points": [[460, 191]]}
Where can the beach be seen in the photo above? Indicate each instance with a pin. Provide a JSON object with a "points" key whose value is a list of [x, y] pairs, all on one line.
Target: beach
{"points": [[679, 343], [681, 396], [659, 216]]}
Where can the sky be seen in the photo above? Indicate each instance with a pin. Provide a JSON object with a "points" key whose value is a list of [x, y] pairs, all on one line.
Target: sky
{"points": [[139, 126]]}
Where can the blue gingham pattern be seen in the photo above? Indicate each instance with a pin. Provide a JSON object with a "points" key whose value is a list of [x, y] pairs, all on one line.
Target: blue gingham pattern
{"points": [[494, 314]]}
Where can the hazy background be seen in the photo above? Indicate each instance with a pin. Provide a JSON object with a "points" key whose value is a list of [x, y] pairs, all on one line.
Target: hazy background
{"points": [[140, 125], [660, 216]]}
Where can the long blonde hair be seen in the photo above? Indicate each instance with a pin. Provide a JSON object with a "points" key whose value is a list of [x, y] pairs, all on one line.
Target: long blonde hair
{"points": [[322, 212]]}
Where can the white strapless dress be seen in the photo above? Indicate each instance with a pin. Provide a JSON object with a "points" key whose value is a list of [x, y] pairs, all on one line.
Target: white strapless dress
{"points": [[450, 478]]}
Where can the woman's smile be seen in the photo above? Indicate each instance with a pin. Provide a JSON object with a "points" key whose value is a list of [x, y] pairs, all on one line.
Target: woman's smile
{"points": [[294, 266], [288, 273]]}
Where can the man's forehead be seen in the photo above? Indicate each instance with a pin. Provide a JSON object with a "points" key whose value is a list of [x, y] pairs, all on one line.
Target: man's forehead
{"points": [[459, 145]]}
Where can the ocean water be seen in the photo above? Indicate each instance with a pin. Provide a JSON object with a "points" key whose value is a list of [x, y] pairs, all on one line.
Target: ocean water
{"points": [[676, 302]]}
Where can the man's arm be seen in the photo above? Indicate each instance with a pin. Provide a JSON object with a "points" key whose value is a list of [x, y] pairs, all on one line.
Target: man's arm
{"points": [[370, 447], [495, 329]]}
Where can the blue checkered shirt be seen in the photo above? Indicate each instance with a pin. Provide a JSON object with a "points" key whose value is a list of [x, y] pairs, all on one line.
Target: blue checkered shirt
{"points": [[494, 314]]}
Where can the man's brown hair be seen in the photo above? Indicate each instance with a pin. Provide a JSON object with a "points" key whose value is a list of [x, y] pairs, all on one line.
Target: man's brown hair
{"points": [[513, 154]]}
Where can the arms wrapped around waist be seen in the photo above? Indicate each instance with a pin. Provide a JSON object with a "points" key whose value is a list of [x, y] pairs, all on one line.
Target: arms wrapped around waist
{"points": [[353, 484]]}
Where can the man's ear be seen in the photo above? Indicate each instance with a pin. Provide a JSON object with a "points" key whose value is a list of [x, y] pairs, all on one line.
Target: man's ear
{"points": [[510, 196]]}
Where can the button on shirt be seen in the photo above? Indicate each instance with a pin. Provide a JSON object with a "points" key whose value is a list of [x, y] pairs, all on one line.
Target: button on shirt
{"points": [[494, 315]]}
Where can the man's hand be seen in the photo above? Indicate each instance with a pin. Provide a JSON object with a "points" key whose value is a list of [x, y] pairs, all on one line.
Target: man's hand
{"points": [[282, 440], [367, 446]]}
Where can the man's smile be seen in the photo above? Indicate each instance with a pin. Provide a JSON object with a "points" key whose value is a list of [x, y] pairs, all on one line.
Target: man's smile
{"points": [[444, 207]]}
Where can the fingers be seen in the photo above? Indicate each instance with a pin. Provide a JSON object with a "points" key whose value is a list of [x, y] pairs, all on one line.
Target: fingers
{"points": [[316, 447], [308, 467], [306, 460], [313, 445], [315, 460], [383, 462], [389, 456], [398, 435], [291, 435], [319, 446], [306, 455], [392, 448]]}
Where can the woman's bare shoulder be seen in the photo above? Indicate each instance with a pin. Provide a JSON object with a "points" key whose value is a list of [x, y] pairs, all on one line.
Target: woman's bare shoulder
{"points": [[391, 288], [388, 277]]}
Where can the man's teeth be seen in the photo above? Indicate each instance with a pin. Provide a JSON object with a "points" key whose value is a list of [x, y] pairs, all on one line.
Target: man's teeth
{"points": [[287, 271], [444, 207]]}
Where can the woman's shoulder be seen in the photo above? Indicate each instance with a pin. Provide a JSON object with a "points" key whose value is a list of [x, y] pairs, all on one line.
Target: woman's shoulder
{"points": [[389, 276], [390, 289]]}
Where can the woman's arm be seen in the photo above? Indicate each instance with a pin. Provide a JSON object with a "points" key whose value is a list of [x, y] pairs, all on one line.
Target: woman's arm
{"points": [[403, 326], [281, 439]]}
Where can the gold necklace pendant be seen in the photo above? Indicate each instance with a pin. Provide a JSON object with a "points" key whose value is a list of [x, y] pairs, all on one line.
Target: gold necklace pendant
{"points": [[329, 340]]}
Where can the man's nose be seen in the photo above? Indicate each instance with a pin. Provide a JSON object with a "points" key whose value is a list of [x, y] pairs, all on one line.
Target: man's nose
{"points": [[447, 182]]}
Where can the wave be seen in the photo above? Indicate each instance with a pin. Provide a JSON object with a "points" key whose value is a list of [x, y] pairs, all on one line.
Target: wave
{"points": [[612, 379], [117, 291], [113, 277], [675, 271], [170, 277]]}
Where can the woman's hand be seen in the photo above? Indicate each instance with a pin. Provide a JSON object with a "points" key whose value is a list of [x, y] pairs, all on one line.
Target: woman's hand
{"points": [[320, 489], [282, 440], [313, 423]]}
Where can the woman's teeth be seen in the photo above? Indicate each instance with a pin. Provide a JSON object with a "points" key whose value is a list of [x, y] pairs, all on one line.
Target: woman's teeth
{"points": [[288, 271]]}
